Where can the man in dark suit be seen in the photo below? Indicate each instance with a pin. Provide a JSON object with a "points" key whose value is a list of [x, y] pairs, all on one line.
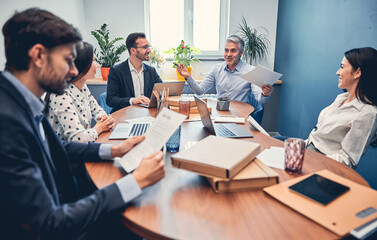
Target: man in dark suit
{"points": [[40, 198], [131, 82]]}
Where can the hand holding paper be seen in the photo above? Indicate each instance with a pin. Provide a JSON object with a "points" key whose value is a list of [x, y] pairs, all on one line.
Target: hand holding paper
{"points": [[261, 76], [163, 127]]}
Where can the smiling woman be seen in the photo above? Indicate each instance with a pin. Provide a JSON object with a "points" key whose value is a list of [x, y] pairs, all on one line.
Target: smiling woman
{"points": [[346, 127]]}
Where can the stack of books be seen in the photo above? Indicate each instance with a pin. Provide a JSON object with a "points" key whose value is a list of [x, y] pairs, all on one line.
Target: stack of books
{"points": [[228, 164]]}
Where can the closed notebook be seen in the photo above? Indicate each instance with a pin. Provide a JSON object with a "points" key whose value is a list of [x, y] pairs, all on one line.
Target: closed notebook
{"points": [[217, 156], [256, 175]]}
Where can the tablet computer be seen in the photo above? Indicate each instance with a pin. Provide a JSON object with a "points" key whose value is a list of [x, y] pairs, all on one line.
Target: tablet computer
{"points": [[319, 189]]}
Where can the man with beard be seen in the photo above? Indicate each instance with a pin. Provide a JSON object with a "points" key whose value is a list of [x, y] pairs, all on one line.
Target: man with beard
{"points": [[40, 197], [131, 82]]}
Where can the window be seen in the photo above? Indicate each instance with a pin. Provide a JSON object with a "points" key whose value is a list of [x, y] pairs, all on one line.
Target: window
{"points": [[202, 23]]}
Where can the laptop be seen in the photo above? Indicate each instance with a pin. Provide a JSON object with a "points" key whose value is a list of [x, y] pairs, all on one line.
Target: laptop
{"points": [[175, 89], [127, 130], [229, 130]]}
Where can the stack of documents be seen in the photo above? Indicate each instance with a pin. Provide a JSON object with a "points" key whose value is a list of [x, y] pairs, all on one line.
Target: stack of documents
{"points": [[273, 157]]}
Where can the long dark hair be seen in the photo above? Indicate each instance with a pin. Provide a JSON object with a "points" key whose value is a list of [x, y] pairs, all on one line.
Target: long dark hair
{"points": [[84, 59], [366, 60]]}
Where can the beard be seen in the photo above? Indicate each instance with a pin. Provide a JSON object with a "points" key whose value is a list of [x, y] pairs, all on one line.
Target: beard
{"points": [[142, 57], [51, 81], [55, 90]]}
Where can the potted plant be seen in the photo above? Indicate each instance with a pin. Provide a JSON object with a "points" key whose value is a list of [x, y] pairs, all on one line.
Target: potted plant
{"points": [[183, 54], [256, 44], [109, 54]]}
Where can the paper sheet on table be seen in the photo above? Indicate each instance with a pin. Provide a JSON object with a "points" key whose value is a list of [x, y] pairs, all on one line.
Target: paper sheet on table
{"points": [[140, 120], [230, 119], [261, 76], [256, 125], [159, 132], [273, 157]]}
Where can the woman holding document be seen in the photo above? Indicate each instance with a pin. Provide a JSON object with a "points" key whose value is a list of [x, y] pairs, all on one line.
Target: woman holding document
{"points": [[346, 127]]}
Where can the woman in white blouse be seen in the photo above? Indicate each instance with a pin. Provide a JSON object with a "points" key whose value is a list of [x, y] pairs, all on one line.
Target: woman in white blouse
{"points": [[71, 113], [346, 127]]}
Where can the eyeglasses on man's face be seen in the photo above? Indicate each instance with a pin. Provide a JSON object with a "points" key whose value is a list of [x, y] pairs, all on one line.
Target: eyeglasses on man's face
{"points": [[145, 47]]}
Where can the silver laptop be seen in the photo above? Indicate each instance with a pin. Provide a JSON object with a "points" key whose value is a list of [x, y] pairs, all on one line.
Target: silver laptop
{"points": [[127, 130], [230, 130], [175, 89]]}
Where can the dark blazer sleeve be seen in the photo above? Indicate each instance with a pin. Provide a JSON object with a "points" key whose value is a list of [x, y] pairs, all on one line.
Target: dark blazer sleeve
{"points": [[29, 193], [119, 87]]}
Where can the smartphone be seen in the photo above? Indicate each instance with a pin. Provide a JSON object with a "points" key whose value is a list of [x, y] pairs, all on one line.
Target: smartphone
{"points": [[319, 189]]}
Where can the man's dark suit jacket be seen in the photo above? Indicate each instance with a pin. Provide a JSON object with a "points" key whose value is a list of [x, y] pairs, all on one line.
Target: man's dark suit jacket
{"points": [[120, 87], [39, 194]]}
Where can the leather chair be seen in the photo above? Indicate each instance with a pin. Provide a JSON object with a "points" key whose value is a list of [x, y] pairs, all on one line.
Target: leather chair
{"points": [[367, 166], [258, 115]]}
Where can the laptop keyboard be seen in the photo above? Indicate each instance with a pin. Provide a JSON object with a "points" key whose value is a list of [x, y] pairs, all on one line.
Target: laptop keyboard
{"points": [[221, 130], [139, 129]]}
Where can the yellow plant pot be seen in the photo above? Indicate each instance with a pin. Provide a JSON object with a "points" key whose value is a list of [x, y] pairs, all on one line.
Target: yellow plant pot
{"points": [[180, 78]]}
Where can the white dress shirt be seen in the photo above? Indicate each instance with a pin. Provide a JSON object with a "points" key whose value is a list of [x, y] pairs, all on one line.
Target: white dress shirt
{"points": [[343, 133], [137, 79]]}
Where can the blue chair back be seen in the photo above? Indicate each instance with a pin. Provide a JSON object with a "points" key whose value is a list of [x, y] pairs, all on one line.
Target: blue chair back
{"points": [[258, 115], [102, 102], [367, 166]]}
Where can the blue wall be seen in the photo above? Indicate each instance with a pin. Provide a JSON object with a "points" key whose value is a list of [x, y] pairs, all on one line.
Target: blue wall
{"points": [[312, 37]]}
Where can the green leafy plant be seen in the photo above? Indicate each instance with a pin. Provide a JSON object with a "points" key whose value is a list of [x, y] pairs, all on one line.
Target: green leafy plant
{"points": [[109, 54], [256, 44], [183, 54]]}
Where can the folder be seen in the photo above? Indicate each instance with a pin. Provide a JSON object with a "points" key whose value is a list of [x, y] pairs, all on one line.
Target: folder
{"points": [[347, 212], [217, 156], [256, 175]]}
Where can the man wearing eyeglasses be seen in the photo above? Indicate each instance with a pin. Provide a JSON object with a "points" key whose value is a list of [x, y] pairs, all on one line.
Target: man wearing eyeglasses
{"points": [[131, 82]]}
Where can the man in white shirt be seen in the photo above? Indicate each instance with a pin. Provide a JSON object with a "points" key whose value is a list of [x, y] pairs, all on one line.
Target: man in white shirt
{"points": [[131, 82]]}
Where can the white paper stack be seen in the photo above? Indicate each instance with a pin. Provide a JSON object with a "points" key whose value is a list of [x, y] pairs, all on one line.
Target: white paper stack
{"points": [[273, 157]]}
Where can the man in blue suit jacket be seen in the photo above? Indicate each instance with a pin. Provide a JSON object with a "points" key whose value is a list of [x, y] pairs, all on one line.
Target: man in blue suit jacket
{"points": [[40, 198], [131, 82]]}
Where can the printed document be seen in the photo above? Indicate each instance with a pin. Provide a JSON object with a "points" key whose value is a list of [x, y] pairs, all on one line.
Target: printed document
{"points": [[261, 76], [159, 132]]}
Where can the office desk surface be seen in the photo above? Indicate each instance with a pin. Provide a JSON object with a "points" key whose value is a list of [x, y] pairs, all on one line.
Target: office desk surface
{"points": [[184, 206]]}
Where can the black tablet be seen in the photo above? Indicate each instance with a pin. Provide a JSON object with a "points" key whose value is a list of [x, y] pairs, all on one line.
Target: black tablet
{"points": [[319, 189]]}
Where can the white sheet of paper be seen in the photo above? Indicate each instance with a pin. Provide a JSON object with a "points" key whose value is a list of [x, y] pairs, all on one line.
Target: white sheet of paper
{"points": [[273, 157], [140, 120], [159, 132], [256, 125], [261, 76], [225, 119]]}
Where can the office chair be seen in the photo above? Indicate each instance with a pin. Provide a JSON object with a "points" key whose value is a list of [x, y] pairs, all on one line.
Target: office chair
{"points": [[258, 115], [102, 102], [367, 166]]}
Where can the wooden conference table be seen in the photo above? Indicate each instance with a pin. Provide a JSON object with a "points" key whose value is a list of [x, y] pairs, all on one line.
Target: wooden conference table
{"points": [[184, 206]]}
